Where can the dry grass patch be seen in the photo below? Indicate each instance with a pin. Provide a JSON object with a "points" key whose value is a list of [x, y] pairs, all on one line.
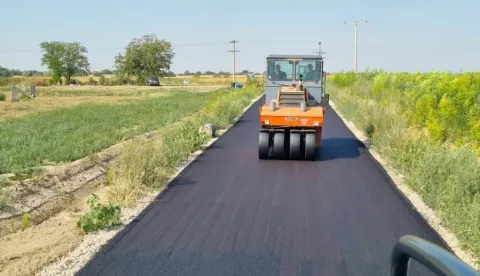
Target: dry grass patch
{"points": [[61, 97]]}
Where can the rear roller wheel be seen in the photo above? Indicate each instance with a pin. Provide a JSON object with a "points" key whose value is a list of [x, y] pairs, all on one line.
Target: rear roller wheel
{"points": [[295, 143], [310, 146], [279, 145], [263, 145]]}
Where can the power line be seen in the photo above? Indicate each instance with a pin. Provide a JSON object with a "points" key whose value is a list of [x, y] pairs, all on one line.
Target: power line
{"points": [[174, 46], [356, 27]]}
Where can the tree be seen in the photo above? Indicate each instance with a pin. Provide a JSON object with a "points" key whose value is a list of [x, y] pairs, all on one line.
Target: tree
{"points": [[64, 59], [144, 57]]}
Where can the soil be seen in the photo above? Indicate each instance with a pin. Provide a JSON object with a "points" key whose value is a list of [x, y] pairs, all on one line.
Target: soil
{"points": [[26, 252]]}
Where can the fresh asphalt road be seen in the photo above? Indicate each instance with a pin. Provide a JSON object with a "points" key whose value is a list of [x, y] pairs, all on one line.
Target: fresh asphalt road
{"points": [[230, 213]]}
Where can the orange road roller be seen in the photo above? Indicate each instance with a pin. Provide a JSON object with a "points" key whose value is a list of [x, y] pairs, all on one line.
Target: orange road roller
{"points": [[292, 115]]}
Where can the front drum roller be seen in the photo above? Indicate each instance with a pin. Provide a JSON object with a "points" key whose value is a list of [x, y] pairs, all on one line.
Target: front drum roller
{"points": [[263, 145]]}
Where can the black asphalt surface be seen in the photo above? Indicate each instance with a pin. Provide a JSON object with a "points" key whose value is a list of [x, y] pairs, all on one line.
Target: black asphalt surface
{"points": [[230, 213]]}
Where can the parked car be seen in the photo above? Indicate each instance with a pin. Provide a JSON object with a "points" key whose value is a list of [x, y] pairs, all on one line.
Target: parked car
{"points": [[153, 81]]}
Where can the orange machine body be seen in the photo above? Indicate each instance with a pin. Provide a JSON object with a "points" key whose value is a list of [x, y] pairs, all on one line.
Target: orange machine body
{"points": [[293, 117], [290, 117]]}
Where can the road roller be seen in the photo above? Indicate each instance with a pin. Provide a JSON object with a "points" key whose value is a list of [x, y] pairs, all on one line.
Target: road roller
{"points": [[292, 112]]}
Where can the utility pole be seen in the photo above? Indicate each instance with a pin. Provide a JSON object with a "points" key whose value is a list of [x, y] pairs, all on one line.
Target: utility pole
{"points": [[356, 27], [234, 51]]}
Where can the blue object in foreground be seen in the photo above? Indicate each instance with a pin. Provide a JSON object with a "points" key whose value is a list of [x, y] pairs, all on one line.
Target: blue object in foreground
{"points": [[238, 85]]}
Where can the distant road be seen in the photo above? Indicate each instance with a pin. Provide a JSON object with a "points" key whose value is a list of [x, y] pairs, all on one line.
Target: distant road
{"points": [[230, 213]]}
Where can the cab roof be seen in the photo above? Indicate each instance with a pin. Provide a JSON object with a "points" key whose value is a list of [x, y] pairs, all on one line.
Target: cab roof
{"points": [[294, 56]]}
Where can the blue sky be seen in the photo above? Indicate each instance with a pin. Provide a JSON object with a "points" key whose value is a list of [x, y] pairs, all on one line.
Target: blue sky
{"points": [[401, 35]]}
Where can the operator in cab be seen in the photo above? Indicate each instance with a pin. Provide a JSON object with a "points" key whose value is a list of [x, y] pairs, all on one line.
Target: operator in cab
{"points": [[311, 74], [278, 74]]}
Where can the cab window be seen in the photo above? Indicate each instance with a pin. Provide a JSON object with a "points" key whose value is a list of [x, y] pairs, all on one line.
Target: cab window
{"points": [[280, 70], [309, 69]]}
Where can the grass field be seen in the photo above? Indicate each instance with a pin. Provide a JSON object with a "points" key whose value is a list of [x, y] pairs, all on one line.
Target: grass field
{"points": [[112, 80], [56, 97], [428, 127], [63, 125]]}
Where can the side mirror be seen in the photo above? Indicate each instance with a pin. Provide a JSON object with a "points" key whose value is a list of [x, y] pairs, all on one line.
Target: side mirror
{"points": [[432, 256], [326, 99]]}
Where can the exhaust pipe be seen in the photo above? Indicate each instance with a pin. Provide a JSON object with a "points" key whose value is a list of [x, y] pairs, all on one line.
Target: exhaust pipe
{"points": [[272, 105], [303, 106]]}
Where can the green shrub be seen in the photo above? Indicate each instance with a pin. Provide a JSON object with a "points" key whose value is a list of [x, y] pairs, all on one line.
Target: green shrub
{"points": [[99, 216], [92, 81]]}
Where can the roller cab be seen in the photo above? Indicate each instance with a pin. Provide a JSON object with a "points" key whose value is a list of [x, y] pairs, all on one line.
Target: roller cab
{"points": [[292, 115]]}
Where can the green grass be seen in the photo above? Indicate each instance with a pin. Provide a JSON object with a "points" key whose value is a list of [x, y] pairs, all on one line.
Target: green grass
{"points": [[446, 177], [103, 91], [63, 135]]}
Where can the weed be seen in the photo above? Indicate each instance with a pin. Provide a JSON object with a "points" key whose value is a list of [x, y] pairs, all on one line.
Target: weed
{"points": [[4, 181], [2, 97], [4, 199], [25, 174], [25, 98], [99, 216], [25, 221], [369, 130]]}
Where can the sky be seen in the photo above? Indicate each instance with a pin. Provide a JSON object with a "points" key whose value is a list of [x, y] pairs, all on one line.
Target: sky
{"points": [[400, 35]]}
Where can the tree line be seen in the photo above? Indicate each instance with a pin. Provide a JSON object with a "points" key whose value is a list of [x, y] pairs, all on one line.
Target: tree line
{"points": [[5, 73], [144, 57]]}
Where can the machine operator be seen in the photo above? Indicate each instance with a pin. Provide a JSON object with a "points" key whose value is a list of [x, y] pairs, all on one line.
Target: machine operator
{"points": [[278, 74], [311, 74]]}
